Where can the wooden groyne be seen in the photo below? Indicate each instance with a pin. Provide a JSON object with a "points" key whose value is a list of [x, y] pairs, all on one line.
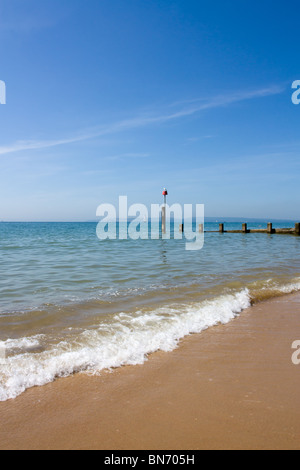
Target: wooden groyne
{"points": [[269, 230]]}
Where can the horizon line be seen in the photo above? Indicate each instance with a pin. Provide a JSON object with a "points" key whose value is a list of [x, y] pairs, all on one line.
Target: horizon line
{"points": [[217, 220]]}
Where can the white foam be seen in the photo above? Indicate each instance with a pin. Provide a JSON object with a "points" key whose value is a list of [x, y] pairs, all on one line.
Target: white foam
{"points": [[291, 287], [276, 286], [22, 343], [128, 339]]}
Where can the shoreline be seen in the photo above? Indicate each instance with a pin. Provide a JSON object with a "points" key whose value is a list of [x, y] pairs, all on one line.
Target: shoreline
{"points": [[232, 386]]}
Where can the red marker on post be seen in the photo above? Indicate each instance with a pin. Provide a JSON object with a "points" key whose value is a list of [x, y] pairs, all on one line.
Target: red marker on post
{"points": [[165, 193], [164, 210]]}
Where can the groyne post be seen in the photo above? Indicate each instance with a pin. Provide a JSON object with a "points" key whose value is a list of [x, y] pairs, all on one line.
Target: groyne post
{"points": [[297, 229], [270, 228], [221, 228], [163, 220], [181, 228], [245, 228], [201, 228], [164, 213]]}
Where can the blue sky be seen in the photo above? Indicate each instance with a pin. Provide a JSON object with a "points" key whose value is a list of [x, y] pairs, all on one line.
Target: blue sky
{"points": [[124, 97]]}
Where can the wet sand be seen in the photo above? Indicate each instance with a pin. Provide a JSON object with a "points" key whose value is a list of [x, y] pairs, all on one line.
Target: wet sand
{"points": [[231, 387]]}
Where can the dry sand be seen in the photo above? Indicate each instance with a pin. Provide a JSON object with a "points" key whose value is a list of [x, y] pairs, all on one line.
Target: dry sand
{"points": [[231, 387]]}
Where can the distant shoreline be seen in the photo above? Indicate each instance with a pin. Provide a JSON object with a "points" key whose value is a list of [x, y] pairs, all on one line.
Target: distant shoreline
{"points": [[207, 219]]}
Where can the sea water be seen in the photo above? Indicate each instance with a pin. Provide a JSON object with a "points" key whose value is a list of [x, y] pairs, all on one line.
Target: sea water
{"points": [[72, 303]]}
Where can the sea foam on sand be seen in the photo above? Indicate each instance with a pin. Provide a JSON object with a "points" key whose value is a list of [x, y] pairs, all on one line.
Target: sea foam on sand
{"points": [[127, 339]]}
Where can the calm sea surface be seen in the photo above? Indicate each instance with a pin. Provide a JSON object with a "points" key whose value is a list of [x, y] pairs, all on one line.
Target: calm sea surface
{"points": [[70, 302]]}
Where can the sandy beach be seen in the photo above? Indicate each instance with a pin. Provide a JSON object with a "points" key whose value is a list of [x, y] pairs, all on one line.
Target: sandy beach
{"points": [[149, 227], [232, 387]]}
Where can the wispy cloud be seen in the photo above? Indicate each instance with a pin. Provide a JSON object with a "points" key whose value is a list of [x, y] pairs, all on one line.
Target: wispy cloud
{"points": [[127, 155], [231, 97], [22, 145], [197, 139], [145, 120]]}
